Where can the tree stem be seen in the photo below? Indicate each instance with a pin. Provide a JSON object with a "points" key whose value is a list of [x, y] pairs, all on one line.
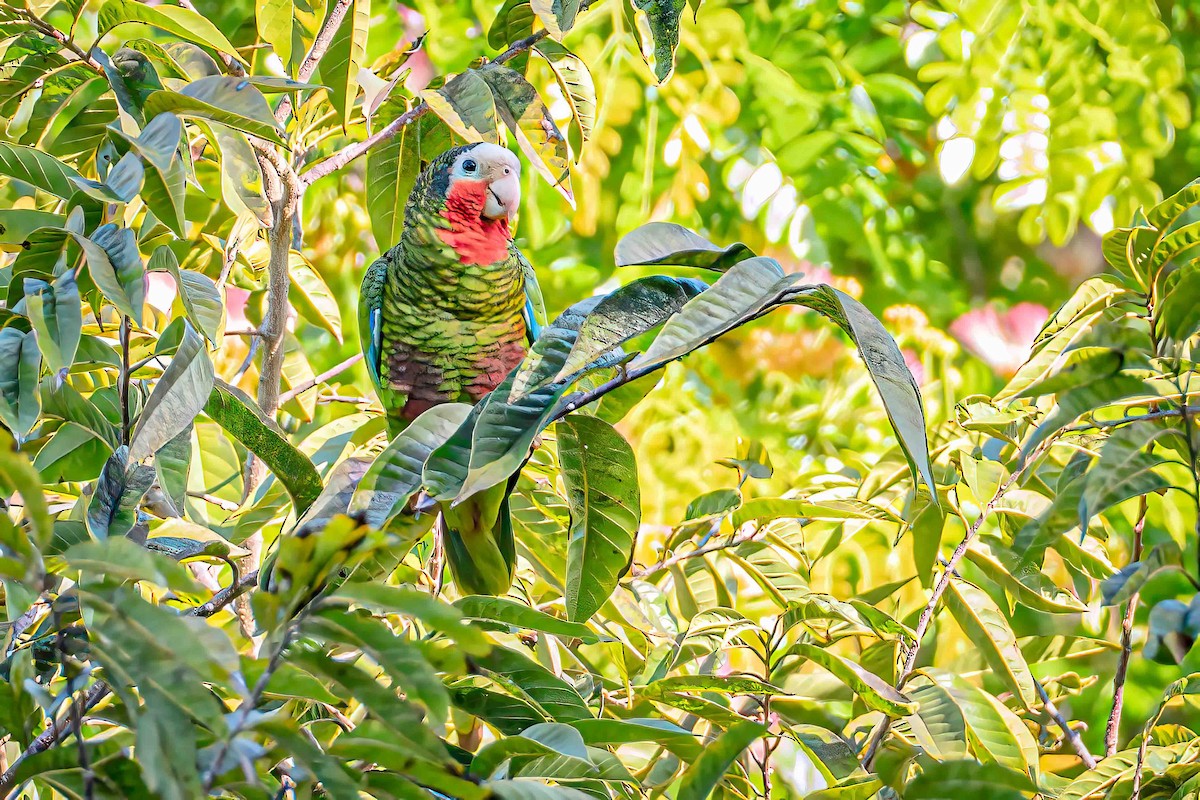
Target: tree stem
{"points": [[1072, 736], [1112, 730], [123, 387]]}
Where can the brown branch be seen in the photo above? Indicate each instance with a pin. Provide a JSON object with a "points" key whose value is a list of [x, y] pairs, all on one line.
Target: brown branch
{"points": [[667, 563], [56, 734], [46, 29], [232, 65], [1072, 735], [910, 660], [123, 385], [1112, 730], [317, 381], [353, 151]]}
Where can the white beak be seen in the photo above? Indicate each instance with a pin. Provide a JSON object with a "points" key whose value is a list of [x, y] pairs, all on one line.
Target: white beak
{"points": [[504, 196]]}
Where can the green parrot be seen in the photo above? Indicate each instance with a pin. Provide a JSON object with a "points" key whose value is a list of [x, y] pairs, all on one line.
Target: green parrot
{"points": [[444, 316]]}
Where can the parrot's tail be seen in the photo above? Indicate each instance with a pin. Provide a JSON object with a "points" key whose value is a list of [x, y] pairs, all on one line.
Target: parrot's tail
{"points": [[478, 537]]}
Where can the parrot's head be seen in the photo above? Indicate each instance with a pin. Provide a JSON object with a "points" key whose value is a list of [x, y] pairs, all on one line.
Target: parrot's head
{"points": [[476, 190]]}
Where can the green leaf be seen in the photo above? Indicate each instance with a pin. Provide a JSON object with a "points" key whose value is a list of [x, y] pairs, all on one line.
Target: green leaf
{"points": [[544, 738], [56, 313], [1127, 468], [172, 463], [519, 615], [120, 185], [557, 698], [746, 290], [20, 373], [440, 616], [312, 297], [940, 726], [182, 22], [873, 690], [120, 245], [953, 780], [513, 21], [657, 243], [230, 408], [558, 16], [834, 510], [897, 388], [466, 104], [613, 732], [984, 624], [241, 176], [529, 121], [18, 476], [178, 397], [702, 777], [392, 169], [221, 98], [532, 790], [64, 402], [396, 474], [600, 475], [111, 511], [1029, 585], [273, 19], [346, 56], [199, 294], [1133, 577], [658, 27], [633, 309], [158, 143], [577, 86], [165, 193], [38, 169]]}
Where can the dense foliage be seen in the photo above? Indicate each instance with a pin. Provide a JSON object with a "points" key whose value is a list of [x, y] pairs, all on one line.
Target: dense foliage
{"points": [[824, 556]]}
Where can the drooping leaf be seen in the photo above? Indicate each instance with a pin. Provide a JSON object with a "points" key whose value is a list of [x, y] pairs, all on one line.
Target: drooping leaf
{"points": [[982, 621], [875, 692], [558, 16], [1130, 580], [575, 80], [199, 294], [121, 486], [182, 22], [56, 313], [833, 509], [518, 615], [600, 475], [346, 56], [707, 770], [658, 27], [529, 121], [625, 313], [393, 166], [120, 244], [178, 397], [274, 21], [947, 780], [312, 297], [230, 408], [397, 472]]}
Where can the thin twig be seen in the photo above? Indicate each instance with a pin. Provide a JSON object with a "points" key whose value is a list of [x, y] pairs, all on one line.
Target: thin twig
{"points": [[333, 372], [46, 29], [231, 64], [1148, 416], [910, 660], [1072, 735], [1112, 730], [667, 563]]}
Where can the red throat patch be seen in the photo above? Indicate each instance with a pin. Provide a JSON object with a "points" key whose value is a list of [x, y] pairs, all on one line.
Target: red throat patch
{"points": [[476, 240]]}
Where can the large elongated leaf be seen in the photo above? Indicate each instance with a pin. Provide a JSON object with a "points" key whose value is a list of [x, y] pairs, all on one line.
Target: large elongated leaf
{"points": [[873, 690], [393, 166], [557, 698], [557, 15], [230, 408], [667, 243], [466, 104], [346, 56], [20, 372], [199, 294], [527, 117], [577, 86], [633, 309], [178, 397], [120, 245], [274, 20], [113, 505], [182, 22], [38, 169], [885, 363], [600, 475], [833, 509], [221, 98], [662, 19], [510, 612], [1032, 587], [56, 313], [951, 780], [312, 297], [706, 771], [396, 474], [1130, 580], [987, 628]]}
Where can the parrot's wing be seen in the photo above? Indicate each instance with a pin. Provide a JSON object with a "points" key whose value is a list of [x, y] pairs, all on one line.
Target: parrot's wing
{"points": [[370, 312], [535, 306]]}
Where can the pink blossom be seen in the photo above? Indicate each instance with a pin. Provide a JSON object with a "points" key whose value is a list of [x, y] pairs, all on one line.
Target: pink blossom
{"points": [[1001, 340], [913, 361]]}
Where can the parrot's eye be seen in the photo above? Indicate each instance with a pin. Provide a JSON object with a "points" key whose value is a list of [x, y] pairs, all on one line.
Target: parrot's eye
{"points": [[469, 165]]}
